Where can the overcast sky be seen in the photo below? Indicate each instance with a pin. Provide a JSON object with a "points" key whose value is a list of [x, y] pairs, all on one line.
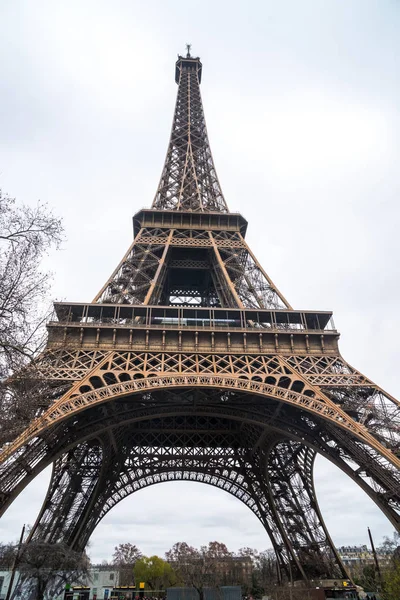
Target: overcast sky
{"points": [[302, 104]]}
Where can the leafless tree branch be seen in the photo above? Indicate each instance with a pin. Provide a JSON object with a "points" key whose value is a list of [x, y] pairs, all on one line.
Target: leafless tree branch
{"points": [[26, 235]]}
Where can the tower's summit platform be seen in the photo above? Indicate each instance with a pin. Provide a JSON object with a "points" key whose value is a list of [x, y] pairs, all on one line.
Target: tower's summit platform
{"points": [[187, 63]]}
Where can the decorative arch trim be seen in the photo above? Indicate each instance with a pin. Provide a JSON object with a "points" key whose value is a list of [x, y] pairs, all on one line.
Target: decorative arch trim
{"points": [[322, 407]]}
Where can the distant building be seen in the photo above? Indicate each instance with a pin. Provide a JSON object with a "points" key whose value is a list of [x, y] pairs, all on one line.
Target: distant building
{"points": [[101, 582], [235, 570], [227, 571], [103, 578], [355, 558], [5, 576]]}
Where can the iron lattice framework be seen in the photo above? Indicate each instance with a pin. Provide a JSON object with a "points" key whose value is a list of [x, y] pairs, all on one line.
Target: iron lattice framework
{"points": [[190, 365]]}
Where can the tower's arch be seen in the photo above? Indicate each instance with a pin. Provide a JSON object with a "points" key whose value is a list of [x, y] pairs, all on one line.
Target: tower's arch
{"points": [[254, 446]]}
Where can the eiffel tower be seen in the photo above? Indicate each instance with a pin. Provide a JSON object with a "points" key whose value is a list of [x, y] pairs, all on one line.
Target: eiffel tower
{"points": [[190, 365]]}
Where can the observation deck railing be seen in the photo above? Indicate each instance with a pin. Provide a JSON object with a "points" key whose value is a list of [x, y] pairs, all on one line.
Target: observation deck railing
{"points": [[177, 317]]}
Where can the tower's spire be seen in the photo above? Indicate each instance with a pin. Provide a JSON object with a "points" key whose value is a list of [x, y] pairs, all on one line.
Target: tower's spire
{"points": [[188, 249], [189, 181]]}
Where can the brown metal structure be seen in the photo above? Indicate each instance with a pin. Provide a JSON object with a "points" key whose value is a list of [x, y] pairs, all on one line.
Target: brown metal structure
{"points": [[190, 365]]}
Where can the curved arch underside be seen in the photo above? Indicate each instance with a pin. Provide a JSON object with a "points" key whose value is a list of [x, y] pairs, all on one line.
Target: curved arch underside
{"points": [[268, 473], [355, 457], [260, 450]]}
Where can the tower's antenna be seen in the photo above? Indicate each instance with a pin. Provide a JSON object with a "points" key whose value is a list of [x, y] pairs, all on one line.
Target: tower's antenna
{"points": [[188, 47]]}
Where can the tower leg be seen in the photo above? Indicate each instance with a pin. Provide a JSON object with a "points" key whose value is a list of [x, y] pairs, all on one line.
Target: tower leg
{"points": [[294, 503], [73, 482]]}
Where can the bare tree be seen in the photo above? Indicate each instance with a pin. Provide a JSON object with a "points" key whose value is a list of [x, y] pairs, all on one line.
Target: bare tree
{"points": [[124, 558], [390, 546], [7, 555], [266, 570], [42, 565], [202, 567], [26, 235], [264, 573]]}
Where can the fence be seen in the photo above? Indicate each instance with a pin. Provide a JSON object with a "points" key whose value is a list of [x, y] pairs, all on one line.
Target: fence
{"points": [[231, 592]]}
